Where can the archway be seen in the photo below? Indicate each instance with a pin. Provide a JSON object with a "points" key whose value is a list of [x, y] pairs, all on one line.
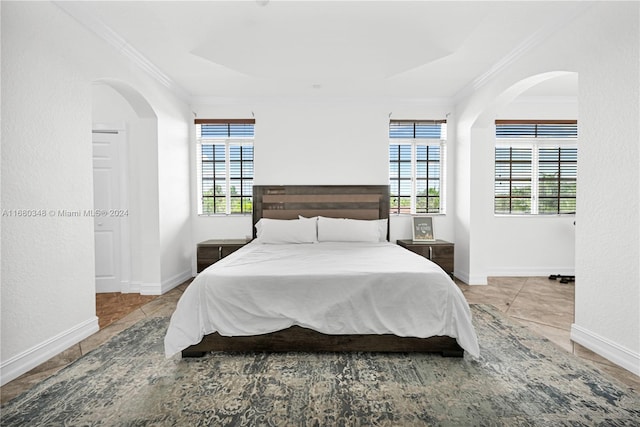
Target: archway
{"points": [[475, 220], [119, 109]]}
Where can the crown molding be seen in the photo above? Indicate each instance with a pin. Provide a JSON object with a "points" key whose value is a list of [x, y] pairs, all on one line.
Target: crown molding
{"points": [[79, 12], [535, 39]]}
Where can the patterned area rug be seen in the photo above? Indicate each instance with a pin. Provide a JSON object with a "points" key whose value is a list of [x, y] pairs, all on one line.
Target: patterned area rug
{"points": [[520, 380]]}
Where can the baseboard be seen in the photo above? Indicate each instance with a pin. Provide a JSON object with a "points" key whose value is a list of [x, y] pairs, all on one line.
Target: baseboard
{"points": [[125, 287], [611, 351], [166, 285], [135, 287], [465, 277], [35, 356], [530, 271], [150, 289], [512, 272], [176, 280]]}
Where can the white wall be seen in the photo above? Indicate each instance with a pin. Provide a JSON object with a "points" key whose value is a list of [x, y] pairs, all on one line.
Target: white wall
{"points": [[289, 133], [485, 245], [607, 317], [141, 174], [531, 245], [319, 142], [327, 144], [602, 46], [49, 63], [159, 175], [174, 167], [47, 263]]}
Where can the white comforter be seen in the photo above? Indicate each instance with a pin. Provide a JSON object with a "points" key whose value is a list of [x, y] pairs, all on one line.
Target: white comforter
{"points": [[334, 288]]}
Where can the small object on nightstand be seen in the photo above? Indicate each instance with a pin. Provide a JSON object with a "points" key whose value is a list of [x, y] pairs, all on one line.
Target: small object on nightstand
{"points": [[211, 251], [440, 251]]}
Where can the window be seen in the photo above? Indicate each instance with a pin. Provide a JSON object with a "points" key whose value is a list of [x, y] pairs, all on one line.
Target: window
{"points": [[225, 166], [535, 167], [416, 165]]}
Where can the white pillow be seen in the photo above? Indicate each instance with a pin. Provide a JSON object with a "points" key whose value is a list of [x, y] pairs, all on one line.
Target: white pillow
{"points": [[382, 226], [382, 229], [347, 230], [281, 231]]}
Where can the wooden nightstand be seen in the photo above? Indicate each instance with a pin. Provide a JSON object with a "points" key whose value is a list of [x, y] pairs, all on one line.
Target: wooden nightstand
{"points": [[441, 252], [212, 251]]}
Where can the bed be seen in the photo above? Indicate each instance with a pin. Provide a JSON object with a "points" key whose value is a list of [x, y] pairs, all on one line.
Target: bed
{"points": [[320, 275]]}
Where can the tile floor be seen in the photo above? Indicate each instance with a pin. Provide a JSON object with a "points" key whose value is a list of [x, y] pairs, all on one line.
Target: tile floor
{"points": [[543, 305], [547, 308], [113, 306], [138, 309]]}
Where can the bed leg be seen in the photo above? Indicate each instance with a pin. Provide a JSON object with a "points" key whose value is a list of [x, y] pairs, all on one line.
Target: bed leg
{"points": [[193, 353]]}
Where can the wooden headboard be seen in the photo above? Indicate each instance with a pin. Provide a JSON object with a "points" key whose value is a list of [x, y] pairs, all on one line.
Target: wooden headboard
{"points": [[334, 201]]}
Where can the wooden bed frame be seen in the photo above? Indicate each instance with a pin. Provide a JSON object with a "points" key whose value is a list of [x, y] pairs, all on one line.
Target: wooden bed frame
{"points": [[344, 201]]}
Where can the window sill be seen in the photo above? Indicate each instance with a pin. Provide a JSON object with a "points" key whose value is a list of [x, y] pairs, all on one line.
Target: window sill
{"points": [[418, 214], [235, 215], [572, 215]]}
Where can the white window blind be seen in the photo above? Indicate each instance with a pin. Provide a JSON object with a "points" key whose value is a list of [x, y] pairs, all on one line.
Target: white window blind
{"points": [[535, 167], [225, 166], [417, 150]]}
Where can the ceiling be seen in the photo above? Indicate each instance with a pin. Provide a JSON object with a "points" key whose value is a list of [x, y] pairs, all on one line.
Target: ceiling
{"points": [[262, 48]]}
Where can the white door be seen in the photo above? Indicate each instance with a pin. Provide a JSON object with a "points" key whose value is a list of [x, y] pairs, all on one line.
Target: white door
{"points": [[106, 210]]}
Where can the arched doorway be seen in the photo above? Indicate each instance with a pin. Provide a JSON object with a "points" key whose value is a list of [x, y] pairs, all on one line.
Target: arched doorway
{"points": [[477, 244], [124, 136]]}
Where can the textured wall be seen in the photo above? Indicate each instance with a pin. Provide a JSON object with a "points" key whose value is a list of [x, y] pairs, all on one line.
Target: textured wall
{"points": [[49, 63], [608, 224], [601, 45], [48, 261]]}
